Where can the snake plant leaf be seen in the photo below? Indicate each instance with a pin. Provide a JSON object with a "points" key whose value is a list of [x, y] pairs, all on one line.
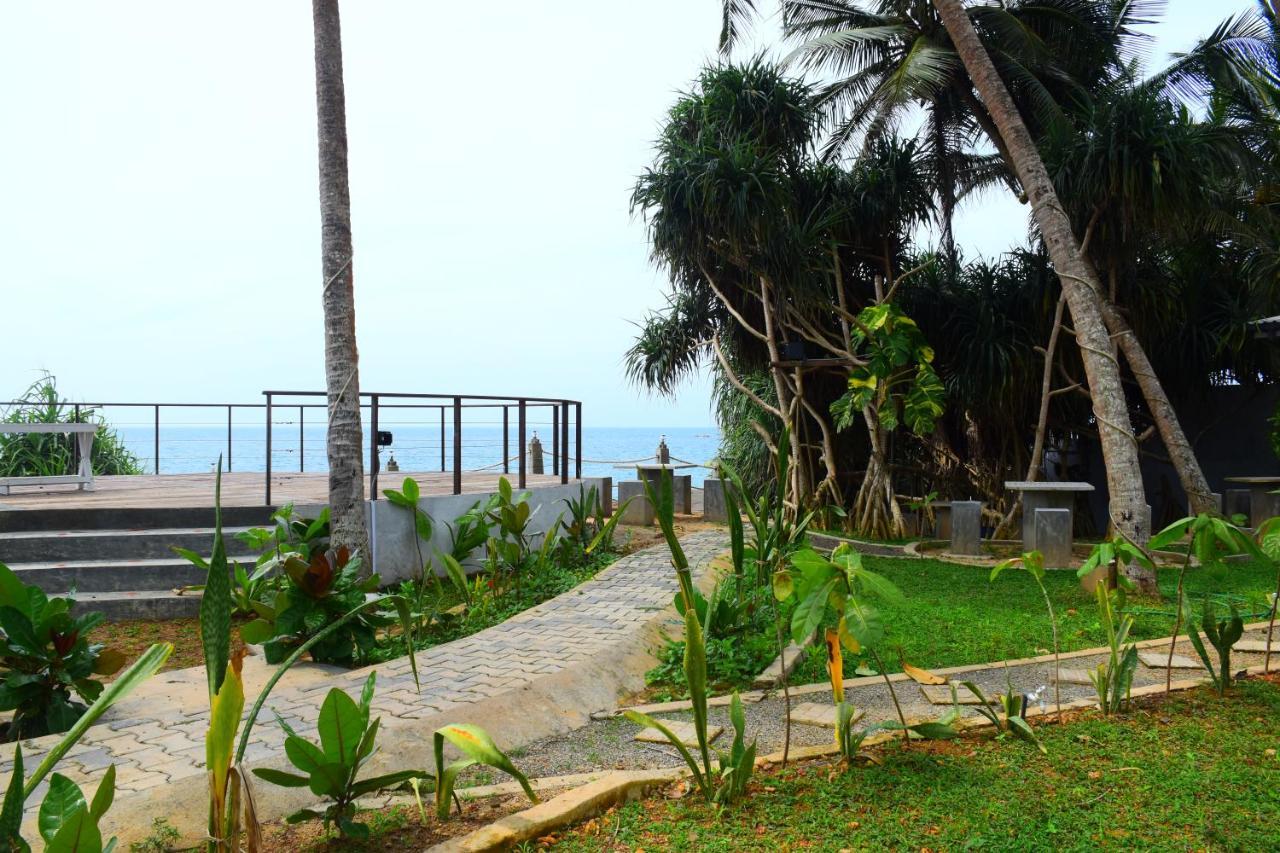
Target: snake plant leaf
{"points": [[654, 723], [215, 603], [1022, 730]]}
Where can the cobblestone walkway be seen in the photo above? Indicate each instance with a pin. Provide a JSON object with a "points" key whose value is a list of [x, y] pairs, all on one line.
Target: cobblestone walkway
{"points": [[156, 736]]}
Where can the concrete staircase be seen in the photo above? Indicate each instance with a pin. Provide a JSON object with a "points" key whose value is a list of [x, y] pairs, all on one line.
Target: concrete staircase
{"points": [[119, 562]]}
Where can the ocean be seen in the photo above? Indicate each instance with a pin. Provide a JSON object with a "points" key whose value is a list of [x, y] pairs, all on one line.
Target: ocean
{"points": [[193, 448]]}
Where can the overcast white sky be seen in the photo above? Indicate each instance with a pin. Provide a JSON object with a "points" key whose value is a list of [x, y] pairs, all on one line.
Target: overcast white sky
{"points": [[160, 222]]}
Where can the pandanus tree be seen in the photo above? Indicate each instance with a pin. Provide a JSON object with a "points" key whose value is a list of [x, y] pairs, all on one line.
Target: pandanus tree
{"points": [[768, 251], [345, 442]]}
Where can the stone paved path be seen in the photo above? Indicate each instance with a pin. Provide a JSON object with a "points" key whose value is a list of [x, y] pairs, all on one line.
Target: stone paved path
{"points": [[156, 737]]}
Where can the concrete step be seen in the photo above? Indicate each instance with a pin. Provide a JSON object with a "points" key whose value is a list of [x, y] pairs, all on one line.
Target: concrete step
{"points": [[131, 518], [94, 576], [117, 606], [52, 546]]}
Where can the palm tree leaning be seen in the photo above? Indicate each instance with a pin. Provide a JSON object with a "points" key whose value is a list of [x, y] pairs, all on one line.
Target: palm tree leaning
{"points": [[345, 439], [1128, 507]]}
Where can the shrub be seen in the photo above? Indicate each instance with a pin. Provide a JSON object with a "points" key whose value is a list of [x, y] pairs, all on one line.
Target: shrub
{"points": [[45, 658], [50, 454]]}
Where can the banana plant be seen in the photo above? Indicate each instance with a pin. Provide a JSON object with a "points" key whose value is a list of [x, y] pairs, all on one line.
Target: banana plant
{"points": [[348, 739], [477, 748], [1032, 562], [1222, 635], [1113, 678], [1211, 538]]}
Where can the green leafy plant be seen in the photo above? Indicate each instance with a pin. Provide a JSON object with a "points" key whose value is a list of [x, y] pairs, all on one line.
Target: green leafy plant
{"points": [[60, 807], [1014, 708], [230, 812], [317, 592], [848, 738], [162, 838], [1222, 635], [45, 659], [1268, 539], [1114, 554], [1113, 678], [477, 747], [736, 765], [1211, 538], [51, 453], [695, 665], [348, 739], [1032, 563]]}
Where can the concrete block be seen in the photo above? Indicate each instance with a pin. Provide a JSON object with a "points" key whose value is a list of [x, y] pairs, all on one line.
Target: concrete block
{"points": [[606, 496], [639, 511], [682, 485], [713, 508], [966, 528], [1053, 536]]}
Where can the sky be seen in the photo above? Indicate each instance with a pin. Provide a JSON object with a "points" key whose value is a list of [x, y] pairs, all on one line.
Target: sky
{"points": [[160, 205]]}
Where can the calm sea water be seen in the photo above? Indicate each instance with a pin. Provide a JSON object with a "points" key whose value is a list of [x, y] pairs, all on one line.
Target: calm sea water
{"points": [[189, 448]]}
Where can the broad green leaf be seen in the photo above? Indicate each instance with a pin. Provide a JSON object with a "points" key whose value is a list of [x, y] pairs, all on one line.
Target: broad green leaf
{"points": [[410, 490], [341, 726], [105, 794], [78, 834], [62, 801], [475, 743], [280, 777], [783, 585], [810, 611]]}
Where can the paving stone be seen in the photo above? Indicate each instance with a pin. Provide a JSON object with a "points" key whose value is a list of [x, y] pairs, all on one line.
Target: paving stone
{"points": [[685, 731], [1259, 646], [1160, 660], [940, 694], [1067, 675], [818, 714]]}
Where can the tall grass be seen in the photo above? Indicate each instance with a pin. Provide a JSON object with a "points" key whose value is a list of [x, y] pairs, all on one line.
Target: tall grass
{"points": [[51, 454]]}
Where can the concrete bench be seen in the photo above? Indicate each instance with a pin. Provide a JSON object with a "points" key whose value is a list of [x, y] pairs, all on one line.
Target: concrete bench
{"points": [[83, 477]]}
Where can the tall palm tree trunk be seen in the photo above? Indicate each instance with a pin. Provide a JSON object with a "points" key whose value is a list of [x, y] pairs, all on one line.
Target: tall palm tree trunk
{"points": [[345, 441], [1128, 506], [1181, 454]]}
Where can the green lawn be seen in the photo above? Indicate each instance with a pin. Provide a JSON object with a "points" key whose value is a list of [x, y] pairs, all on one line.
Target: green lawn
{"points": [[1194, 773], [954, 615]]}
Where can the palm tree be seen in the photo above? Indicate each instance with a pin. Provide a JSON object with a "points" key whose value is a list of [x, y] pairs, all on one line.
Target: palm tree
{"points": [[341, 358], [1128, 507]]}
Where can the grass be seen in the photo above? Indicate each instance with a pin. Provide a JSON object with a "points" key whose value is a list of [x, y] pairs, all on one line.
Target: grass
{"points": [[1187, 772], [953, 615]]}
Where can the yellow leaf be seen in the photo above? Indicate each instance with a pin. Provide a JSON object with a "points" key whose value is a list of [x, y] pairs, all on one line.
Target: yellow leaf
{"points": [[862, 381], [224, 721], [922, 676], [835, 665]]}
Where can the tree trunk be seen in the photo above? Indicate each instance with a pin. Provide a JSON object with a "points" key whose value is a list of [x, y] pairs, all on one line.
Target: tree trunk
{"points": [[345, 442], [1128, 506]]}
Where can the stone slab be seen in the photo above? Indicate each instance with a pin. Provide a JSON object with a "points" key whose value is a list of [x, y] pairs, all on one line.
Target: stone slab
{"points": [[818, 714], [774, 672], [713, 508], [966, 528], [1259, 646], [940, 694], [639, 511], [685, 731], [1160, 660], [1073, 676], [1053, 536]]}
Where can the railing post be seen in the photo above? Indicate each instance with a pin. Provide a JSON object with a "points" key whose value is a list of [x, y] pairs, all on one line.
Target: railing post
{"points": [[75, 444], [442, 465], [457, 445], [268, 500], [564, 442], [521, 439], [157, 438], [373, 447], [577, 443], [555, 439], [302, 447], [228, 439], [506, 440]]}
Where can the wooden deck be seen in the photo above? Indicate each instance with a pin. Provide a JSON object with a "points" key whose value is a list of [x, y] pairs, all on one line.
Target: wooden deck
{"points": [[238, 489]]}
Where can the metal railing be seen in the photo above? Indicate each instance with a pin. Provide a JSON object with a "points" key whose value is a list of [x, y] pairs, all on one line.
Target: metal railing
{"points": [[562, 413], [560, 418]]}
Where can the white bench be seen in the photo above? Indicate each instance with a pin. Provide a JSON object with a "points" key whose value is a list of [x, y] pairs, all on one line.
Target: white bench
{"points": [[83, 477]]}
